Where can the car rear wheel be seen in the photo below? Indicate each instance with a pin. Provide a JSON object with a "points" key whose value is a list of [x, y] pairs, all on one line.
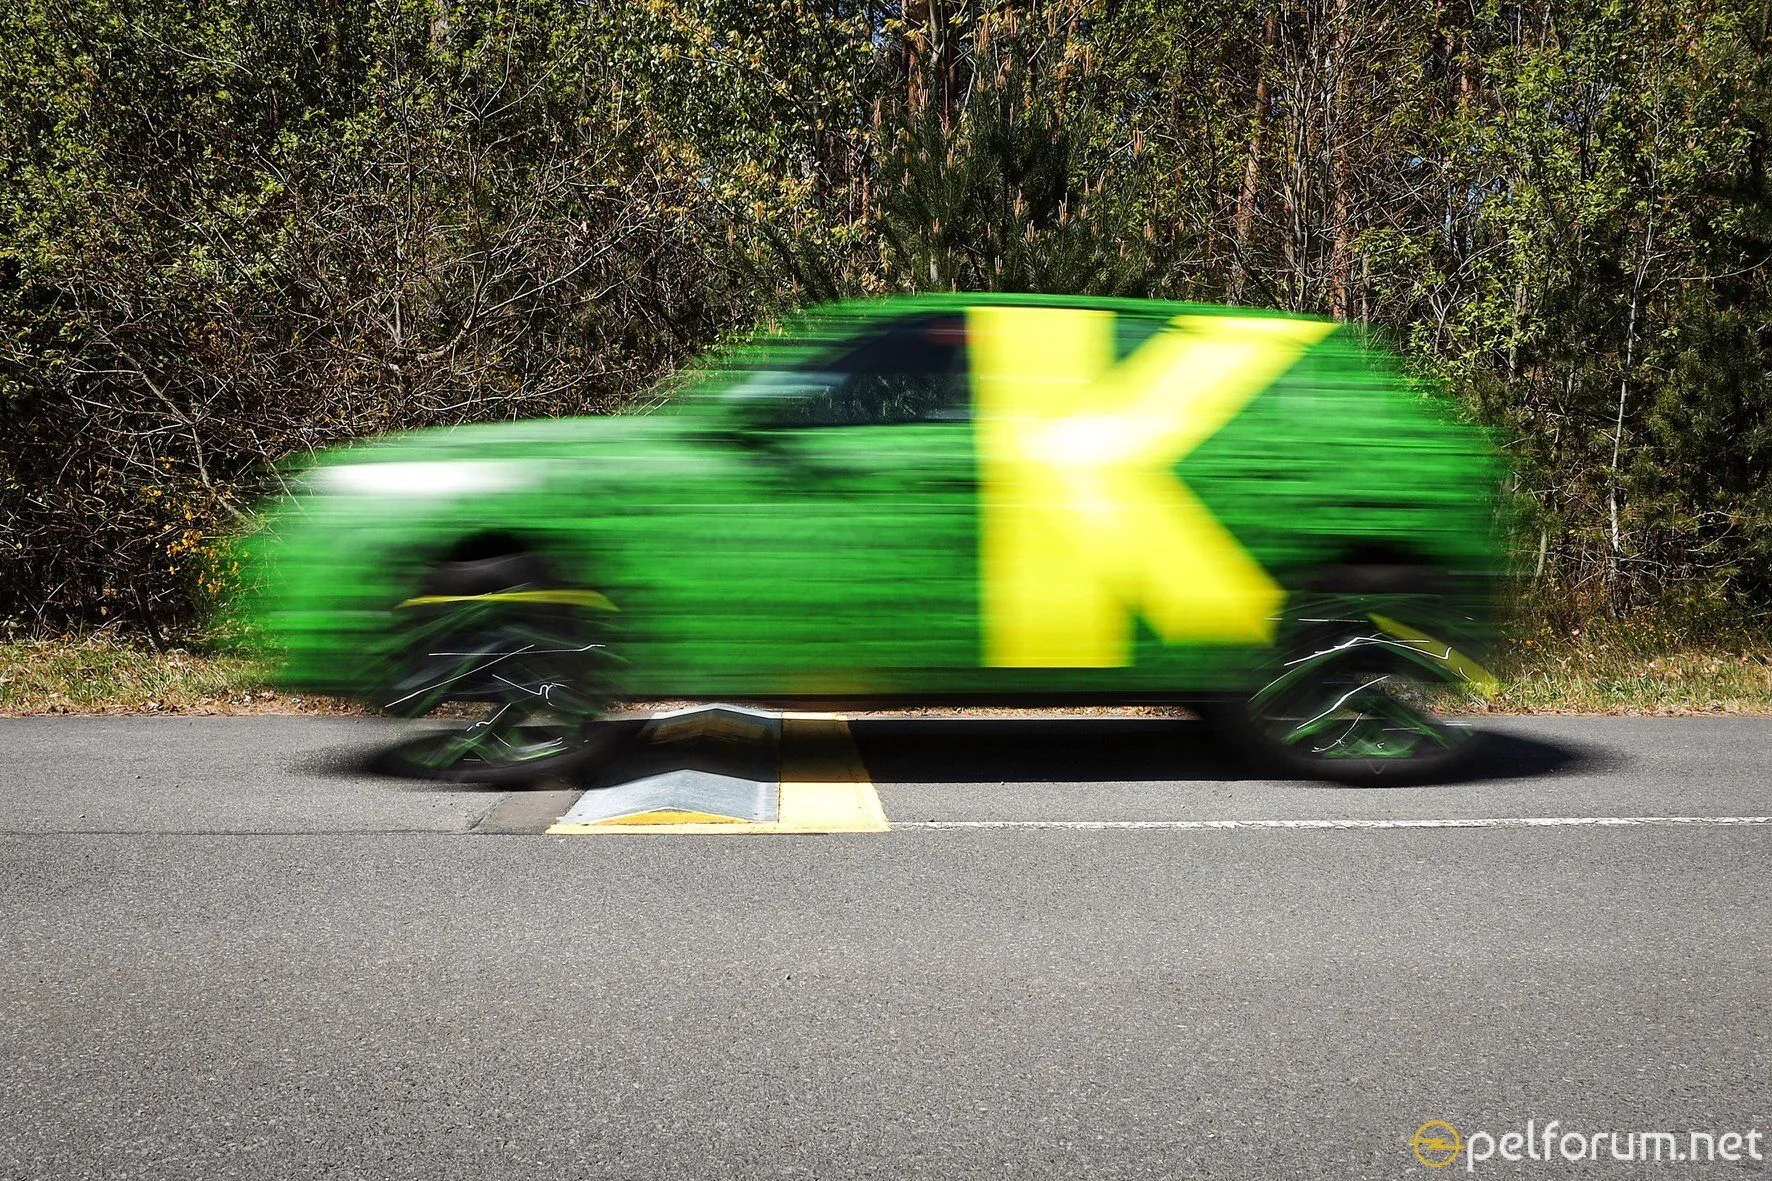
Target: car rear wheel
{"points": [[1355, 691], [514, 663]]}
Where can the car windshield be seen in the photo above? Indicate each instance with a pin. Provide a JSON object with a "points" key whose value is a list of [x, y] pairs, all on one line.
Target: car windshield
{"points": [[913, 372], [772, 395]]}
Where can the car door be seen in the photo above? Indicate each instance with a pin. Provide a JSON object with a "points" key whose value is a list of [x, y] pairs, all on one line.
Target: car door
{"points": [[867, 518]]}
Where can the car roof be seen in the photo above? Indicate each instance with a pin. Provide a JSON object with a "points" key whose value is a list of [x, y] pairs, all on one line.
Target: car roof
{"points": [[803, 336], [956, 301]]}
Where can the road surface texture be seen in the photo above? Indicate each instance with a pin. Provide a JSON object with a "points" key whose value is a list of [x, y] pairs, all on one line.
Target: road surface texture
{"points": [[228, 952]]}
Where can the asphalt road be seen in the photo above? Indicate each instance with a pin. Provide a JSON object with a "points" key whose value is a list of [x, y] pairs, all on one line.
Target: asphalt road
{"points": [[230, 953]]}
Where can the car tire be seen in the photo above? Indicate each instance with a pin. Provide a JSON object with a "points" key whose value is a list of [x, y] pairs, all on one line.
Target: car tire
{"points": [[512, 663], [1349, 695]]}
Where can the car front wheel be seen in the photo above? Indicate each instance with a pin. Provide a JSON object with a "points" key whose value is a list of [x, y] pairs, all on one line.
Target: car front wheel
{"points": [[513, 665]]}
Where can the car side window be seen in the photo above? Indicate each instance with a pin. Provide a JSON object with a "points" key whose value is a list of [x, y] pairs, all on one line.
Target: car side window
{"points": [[911, 372]]}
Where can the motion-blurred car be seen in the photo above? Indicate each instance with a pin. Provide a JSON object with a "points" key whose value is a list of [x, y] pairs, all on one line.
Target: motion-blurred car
{"points": [[962, 499]]}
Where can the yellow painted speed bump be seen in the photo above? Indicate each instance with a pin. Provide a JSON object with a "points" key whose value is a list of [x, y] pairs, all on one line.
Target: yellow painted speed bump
{"points": [[824, 787], [669, 816], [818, 783]]}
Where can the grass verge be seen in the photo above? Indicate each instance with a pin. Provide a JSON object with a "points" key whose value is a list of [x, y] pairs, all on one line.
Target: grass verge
{"points": [[1640, 666], [100, 674], [1614, 667]]}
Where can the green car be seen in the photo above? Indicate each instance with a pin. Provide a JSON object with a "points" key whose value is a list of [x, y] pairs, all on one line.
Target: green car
{"points": [[957, 498]]}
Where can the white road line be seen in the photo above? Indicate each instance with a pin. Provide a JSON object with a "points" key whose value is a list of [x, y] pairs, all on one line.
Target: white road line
{"points": [[1470, 822]]}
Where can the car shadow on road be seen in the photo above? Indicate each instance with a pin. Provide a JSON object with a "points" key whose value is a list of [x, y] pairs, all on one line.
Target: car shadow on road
{"points": [[1120, 750], [1001, 750], [379, 759]]}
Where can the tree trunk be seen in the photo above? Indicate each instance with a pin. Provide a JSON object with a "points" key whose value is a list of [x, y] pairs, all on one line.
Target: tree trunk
{"points": [[1251, 194], [1341, 216]]}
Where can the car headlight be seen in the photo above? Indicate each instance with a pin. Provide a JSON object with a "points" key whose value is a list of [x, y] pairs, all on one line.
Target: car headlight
{"points": [[419, 478]]}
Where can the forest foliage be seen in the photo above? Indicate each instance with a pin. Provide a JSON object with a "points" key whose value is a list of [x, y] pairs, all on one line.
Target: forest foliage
{"points": [[233, 231]]}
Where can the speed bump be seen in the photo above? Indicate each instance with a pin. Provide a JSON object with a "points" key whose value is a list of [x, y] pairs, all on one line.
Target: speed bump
{"points": [[804, 776]]}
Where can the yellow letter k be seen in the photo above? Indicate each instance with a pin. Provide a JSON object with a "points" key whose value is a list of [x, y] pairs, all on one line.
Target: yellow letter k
{"points": [[1085, 523]]}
